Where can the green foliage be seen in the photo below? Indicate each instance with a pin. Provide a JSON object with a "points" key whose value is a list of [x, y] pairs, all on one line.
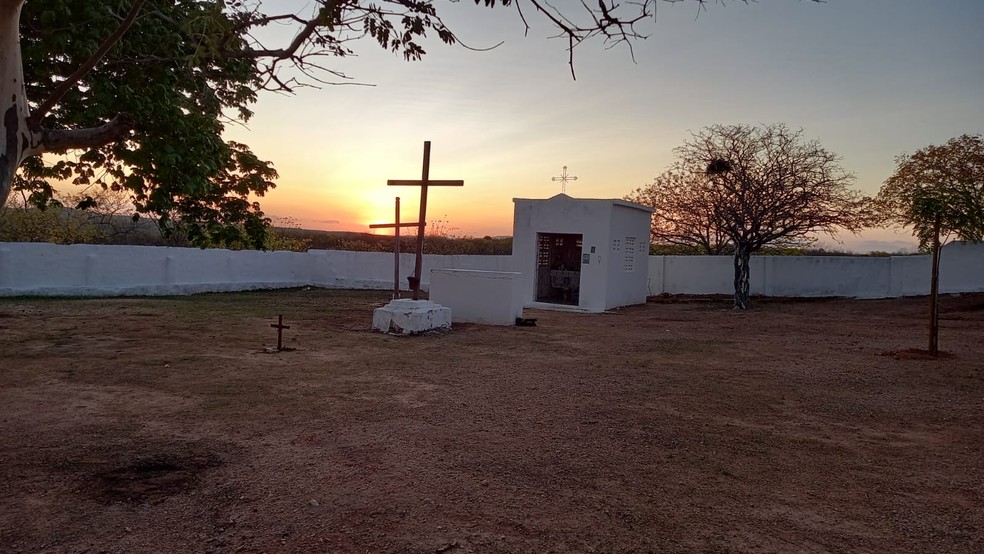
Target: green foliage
{"points": [[467, 246], [938, 191], [286, 235], [177, 167], [102, 219], [56, 224], [365, 242]]}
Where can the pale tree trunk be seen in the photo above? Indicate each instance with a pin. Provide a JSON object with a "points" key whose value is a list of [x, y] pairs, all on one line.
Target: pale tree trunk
{"points": [[18, 140], [742, 256], [21, 135], [934, 302]]}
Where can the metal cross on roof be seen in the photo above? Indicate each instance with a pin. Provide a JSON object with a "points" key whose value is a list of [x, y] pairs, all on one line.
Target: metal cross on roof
{"points": [[563, 178]]}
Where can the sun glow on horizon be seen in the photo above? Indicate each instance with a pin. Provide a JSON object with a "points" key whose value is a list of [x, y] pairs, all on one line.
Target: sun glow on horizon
{"points": [[507, 120]]}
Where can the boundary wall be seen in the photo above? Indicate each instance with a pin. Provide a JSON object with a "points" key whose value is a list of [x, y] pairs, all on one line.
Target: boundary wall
{"points": [[961, 270], [40, 269]]}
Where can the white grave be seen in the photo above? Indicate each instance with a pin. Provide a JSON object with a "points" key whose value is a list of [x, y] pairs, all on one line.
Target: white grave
{"points": [[474, 296], [581, 254], [404, 316]]}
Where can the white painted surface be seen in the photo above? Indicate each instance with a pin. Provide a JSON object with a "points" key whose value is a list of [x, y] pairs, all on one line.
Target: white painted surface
{"points": [[101, 270], [605, 283], [961, 270], [628, 269], [411, 317], [96, 270], [475, 296]]}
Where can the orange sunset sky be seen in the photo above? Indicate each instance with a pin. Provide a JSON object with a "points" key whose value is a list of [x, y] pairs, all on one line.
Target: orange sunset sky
{"points": [[869, 79]]}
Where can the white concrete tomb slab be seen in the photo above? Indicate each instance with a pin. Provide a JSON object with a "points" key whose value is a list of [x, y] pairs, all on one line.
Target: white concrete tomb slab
{"points": [[476, 296], [404, 316]]}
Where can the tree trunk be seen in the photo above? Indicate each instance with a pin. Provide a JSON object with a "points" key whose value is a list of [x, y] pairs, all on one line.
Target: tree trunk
{"points": [[18, 140], [742, 256], [934, 304]]}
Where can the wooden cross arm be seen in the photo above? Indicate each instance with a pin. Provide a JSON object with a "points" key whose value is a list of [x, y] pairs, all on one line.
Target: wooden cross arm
{"points": [[418, 183], [392, 225]]}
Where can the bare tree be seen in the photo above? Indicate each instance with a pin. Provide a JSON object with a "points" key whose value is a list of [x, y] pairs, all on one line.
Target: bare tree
{"points": [[682, 214], [751, 187]]}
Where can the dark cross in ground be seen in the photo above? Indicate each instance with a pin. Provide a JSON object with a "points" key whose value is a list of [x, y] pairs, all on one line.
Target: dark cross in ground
{"points": [[423, 183], [280, 331], [564, 177], [396, 244]]}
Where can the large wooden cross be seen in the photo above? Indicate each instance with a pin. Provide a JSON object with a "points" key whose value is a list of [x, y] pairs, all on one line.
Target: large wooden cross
{"points": [[396, 244], [424, 182]]}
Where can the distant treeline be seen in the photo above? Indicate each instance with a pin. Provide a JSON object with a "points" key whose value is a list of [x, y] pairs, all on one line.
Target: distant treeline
{"points": [[70, 226], [366, 242], [678, 250], [63, 225]]}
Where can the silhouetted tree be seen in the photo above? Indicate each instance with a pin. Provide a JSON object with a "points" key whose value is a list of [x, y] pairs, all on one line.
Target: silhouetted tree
{"points": [[682, 214], [939, 192], [745, 188]]}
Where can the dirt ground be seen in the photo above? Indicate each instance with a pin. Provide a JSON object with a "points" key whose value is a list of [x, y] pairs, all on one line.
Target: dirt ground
{"points": [[160, 425]]}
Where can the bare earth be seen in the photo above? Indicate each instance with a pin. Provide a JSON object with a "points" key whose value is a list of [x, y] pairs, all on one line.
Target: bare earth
{"points": [[159, 425]]}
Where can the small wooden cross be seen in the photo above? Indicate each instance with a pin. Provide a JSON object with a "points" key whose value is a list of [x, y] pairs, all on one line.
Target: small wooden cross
{"points": [[280, 331], [396, 244], [424, 182], [564, 177]]}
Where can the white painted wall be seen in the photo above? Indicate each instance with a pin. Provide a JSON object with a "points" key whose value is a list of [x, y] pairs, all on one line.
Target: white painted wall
{"points": [[90, 270], [625, 287], [961, 270], [476, 296]]}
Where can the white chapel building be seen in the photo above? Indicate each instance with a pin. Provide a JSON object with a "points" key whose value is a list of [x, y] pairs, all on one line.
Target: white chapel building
{"points": [[581, 254]]}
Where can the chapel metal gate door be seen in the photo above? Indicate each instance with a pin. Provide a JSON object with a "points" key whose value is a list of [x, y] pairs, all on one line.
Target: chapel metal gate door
{"points": [[558, 268]]}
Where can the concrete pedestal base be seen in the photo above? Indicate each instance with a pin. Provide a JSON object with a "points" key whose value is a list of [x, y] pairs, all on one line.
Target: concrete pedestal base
{"points": [[409, 317]]}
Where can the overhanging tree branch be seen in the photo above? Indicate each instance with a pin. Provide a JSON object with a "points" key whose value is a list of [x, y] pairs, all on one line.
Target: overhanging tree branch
{"points": [[62, 140]]}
